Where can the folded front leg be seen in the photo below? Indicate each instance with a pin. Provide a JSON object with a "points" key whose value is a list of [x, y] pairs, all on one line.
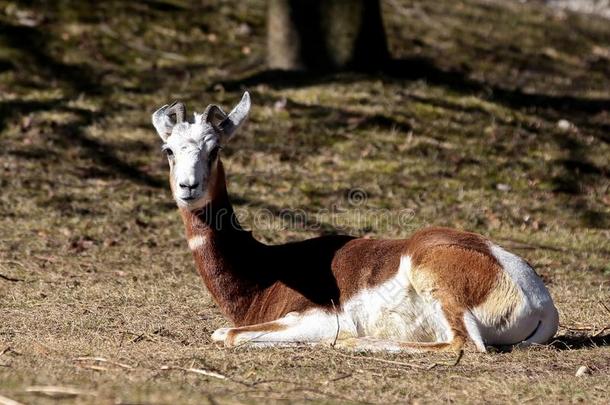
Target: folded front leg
{"points": [[313, 326]]}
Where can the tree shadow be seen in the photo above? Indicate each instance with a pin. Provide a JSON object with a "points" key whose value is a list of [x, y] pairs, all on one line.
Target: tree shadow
{"points": [[104, 156], [577, 171], [301, 138], [418, 68], [422, 68], [350, 119], [72, 135], [33, 45]]}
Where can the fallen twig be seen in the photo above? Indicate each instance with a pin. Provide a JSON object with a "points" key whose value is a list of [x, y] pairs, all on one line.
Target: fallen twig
{"points": [[586, 329], [338, 325], [103, 360], [605, 306], [53, 391], [139, 338], [578, 328], [341, 377], [272, 381], [602, 330], [8, 401], [200, 371], [94, 368], [13, 262], [9, 349], [7, 278]]}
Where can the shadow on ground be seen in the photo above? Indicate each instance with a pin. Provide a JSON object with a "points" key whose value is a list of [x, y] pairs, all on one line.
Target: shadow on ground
{"points": [[575, 172], [580, 341]]}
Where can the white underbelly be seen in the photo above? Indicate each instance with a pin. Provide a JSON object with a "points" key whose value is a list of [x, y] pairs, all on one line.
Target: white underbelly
{"points": [[394, 310], [414, 319]]}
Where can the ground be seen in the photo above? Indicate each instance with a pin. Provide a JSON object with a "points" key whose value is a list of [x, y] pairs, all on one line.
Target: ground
{"points": [[493, 117]]}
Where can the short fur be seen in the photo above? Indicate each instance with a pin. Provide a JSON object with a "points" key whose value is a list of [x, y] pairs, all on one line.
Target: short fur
{"points": [[436, 290]]}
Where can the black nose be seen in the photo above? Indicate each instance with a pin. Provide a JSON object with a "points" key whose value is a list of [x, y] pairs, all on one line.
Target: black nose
{"points": [[189, 186]]}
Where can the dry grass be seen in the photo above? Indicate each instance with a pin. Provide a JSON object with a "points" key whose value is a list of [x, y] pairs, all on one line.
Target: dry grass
{"points": [[99, 301]]}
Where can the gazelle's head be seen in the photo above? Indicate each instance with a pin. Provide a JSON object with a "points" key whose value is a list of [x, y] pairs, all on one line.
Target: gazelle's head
{"points": [[192, 148]]}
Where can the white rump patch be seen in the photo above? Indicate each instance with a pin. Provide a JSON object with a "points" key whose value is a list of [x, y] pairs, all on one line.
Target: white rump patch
{"points": [[532, 286], [196, 242], [536, 308]]}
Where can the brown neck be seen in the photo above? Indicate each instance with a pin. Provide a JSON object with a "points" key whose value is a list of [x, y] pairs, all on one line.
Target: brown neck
{"points": [[225, 254]]}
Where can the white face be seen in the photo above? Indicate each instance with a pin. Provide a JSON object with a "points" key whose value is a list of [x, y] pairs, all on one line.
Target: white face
{"points": [[192, 152], [192, 147]]}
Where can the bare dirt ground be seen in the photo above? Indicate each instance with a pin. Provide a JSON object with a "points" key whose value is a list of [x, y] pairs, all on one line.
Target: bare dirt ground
{"points": [[493, 117]]}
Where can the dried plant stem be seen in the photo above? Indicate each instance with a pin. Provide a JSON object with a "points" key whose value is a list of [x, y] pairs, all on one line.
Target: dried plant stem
{"points": [[7, 401], [338, 325], [103, 360], [54, 391], [11, 279], [199, 371]]}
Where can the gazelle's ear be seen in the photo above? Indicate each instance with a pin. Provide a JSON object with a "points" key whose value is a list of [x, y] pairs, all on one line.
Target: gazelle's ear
{"points": [[166, 117], [213, 115], [238, 115]]}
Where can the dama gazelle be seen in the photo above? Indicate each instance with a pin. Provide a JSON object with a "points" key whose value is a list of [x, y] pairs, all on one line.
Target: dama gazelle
{"points": [[437, 290]]}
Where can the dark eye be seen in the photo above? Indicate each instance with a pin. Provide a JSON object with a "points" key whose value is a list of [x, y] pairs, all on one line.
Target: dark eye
{"points": [[213, 154], [167, 151]]}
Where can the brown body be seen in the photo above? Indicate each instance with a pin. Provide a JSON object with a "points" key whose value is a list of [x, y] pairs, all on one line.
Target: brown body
{"points": [[255, 283]]}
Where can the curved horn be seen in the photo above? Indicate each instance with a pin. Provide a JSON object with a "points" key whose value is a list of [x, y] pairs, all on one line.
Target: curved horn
{"points": [[178, 109], [236, 117]]}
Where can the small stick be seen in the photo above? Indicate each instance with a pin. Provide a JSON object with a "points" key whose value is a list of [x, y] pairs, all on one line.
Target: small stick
{"points": [[95, 368], [138, 338], [338, 326], [7, 278], [602, 330], [255, 383], [13, 262], [605, 306], [578, 328], [341, 377], [103, 360], [586, 329], [57, 392], [197, 371], [8, 401]]}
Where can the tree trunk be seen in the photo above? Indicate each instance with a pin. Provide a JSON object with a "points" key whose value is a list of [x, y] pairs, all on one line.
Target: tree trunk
{"points": [[324, 35]]}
